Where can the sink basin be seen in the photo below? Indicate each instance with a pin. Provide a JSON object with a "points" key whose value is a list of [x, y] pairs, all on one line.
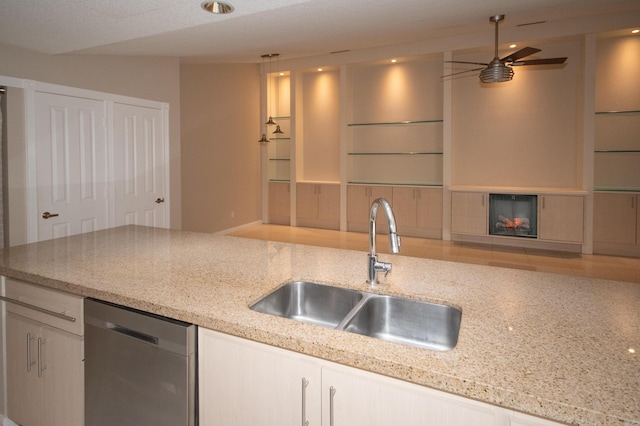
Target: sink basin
{"points": [[309, 302], [396, 319], [411, 322]]}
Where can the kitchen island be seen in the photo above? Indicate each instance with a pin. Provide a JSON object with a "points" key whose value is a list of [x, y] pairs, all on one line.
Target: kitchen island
{"points": [[559, 347]]}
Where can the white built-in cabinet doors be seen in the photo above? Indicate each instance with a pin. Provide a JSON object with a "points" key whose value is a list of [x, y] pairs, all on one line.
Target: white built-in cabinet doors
{"points": [[561, 218], [469, 213], [98, 164], [248, 383], [318, 205], [359, 199], [418, 211], [242, 383], [140, 165], [71, 165], [44, 356], [279, 203]]}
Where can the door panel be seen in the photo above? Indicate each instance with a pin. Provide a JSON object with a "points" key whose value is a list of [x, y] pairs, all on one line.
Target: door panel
{"points": [[71, 165], [139, 166]]}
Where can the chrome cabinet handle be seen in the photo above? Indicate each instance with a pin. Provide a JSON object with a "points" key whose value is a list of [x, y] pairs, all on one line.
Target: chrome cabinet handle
{"points": [[41, 366], [29, 362], [305, 383], [332, 392], [47, 215], [36, 308]]}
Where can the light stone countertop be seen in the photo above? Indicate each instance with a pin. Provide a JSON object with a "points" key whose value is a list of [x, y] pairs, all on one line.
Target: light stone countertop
{"points": [[544, 344]]}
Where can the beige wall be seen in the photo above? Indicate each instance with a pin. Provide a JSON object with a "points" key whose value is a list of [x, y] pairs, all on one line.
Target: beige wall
{"points": [[524, 133], [220, 150], [155, 79]]}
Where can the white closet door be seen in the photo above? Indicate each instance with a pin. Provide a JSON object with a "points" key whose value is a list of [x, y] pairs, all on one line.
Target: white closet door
{"points": [[139, 166], [71, 165]]}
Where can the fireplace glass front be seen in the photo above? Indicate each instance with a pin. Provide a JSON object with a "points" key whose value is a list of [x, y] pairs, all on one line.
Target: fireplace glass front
{"points": [[513, 215]]}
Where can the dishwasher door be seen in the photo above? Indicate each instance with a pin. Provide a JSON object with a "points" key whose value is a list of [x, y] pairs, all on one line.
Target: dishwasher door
{"points": [[140, 368]]}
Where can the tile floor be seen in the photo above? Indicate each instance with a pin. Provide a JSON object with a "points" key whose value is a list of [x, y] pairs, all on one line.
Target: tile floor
{"points": [[597, 266]]}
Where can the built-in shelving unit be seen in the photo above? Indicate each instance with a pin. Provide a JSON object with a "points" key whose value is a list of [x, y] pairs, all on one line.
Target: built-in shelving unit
{"points": [[617, 151], [279, 151], [397, 153]]}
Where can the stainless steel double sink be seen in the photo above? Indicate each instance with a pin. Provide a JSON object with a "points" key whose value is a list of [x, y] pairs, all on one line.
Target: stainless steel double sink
{"points": [[396, 319]]}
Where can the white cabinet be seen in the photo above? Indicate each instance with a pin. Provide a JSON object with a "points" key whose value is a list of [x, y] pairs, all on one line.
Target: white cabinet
{"points": [[354, 397], [359, 199], [44, 355], [615, 223], [318, 205], [561, 218], [469, 213], [418, 211], [245, 383], [248, 383], [279, 203]]}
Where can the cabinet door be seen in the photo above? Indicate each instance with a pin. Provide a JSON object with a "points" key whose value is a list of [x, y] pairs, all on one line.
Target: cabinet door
{"points": [[329, 204], [561, 218], [469, 213], [351, 397], [614, 218], [279, 203], [637, 200], [429, 217], [306, 201], [405, 208], [359, 199], [45, 374], [245, 383], [418, 211], [23, 385], [62, 378]]}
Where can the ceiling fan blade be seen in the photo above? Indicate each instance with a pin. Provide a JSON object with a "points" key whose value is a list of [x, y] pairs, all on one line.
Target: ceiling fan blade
{"points": [[526, 51], [548, 61], [465, 62], [462, 72]]}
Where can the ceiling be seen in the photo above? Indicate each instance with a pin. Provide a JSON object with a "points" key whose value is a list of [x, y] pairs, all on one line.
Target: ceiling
{"points": [[293, 28]]}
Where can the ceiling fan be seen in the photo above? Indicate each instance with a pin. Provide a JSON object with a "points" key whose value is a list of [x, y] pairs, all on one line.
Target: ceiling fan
{"points": [[499, 70]]}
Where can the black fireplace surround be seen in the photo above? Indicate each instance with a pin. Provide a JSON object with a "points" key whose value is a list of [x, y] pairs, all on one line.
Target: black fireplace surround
{"points": [[513, 215]]}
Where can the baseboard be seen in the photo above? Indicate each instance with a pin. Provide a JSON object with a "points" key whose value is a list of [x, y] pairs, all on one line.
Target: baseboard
{"points": [[518, 242], [238, 228], [6, 421]]}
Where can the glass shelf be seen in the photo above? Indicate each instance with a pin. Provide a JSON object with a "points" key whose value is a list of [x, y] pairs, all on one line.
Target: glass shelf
{"points": [[279, 180], [394, 123], [607, 189], [431, 185], [279, 159], [618, 112], [395, 153], [601, 151]]}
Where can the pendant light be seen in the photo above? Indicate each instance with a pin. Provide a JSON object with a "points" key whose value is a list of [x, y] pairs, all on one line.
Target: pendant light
{"points": [[263, 138], [277, 131], [270, 95]]}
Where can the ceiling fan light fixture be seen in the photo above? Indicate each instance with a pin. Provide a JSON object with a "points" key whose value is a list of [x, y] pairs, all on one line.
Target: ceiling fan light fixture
{"points": [[496, 74], [217, 7]]}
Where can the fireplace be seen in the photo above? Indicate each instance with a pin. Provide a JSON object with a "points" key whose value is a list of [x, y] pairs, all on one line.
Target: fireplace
{"points": [[513, 215]]}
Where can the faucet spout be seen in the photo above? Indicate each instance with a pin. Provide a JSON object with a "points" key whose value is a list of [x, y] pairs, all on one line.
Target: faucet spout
{"points": [[394, 239]]}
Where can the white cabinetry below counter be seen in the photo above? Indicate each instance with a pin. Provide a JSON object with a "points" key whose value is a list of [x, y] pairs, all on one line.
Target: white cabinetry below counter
{"points": [[44, 355], [248, 383]]}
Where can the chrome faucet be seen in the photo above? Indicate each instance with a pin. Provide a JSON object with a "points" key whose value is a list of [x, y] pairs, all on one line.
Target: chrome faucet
{"points": [[394, 239]]}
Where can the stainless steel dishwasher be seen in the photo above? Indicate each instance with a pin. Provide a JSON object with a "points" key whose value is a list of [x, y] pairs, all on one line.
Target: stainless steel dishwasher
{"points": [[140, 368]]}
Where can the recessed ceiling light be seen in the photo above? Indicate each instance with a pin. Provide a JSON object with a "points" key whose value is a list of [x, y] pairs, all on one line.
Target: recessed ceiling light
{"points": [[512, 46], [319, 69], [635, 31], [217, 7], [393, 61]]}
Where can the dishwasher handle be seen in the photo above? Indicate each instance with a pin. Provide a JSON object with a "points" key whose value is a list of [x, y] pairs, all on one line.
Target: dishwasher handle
{"points": [[132, 333]]}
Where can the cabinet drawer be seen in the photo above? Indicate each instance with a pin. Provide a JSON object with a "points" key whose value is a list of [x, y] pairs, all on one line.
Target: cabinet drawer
{"points": [[46, 305]]}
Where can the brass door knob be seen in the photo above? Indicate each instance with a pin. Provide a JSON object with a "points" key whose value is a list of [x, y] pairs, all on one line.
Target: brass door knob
{"points": [[159, 200], [47, 215]]}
